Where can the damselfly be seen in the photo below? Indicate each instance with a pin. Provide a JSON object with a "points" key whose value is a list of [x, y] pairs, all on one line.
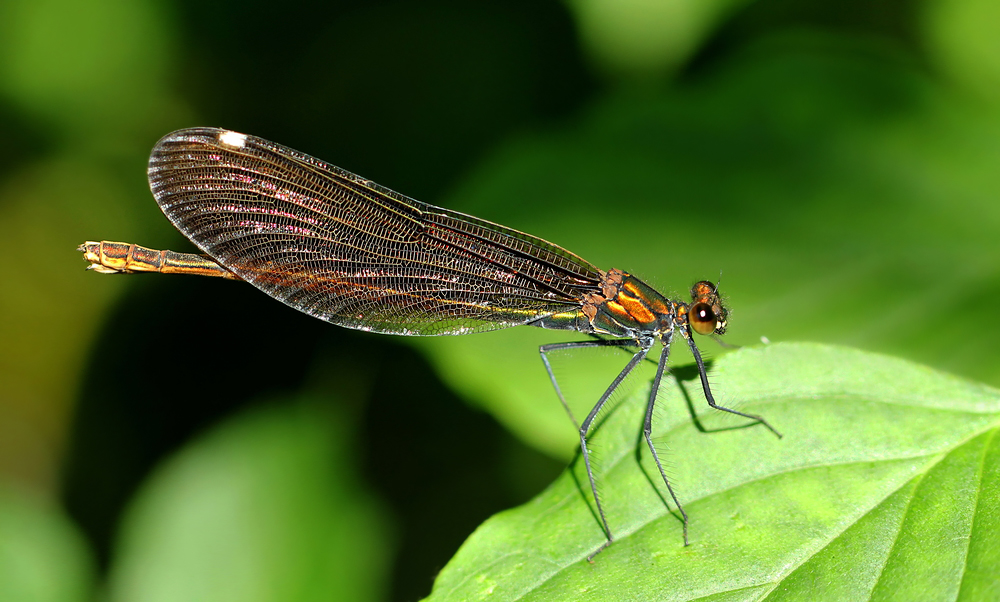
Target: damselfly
{"points": [[348, 251]]}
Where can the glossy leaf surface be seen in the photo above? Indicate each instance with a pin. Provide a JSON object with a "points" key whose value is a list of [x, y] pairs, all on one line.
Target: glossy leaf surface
{"points": [[885, 486]]}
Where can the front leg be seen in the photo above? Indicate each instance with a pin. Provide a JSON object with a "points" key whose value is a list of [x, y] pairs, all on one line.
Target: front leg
{"points": [[545, 349]]}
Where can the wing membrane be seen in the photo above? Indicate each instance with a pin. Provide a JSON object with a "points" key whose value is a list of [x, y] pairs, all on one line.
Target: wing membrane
{"points": [[346, 250]]}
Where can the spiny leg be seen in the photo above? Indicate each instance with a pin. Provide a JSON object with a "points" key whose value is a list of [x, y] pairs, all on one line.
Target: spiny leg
{"points": [[635, 361], [708, 391], [647, 430], [545, 349]]}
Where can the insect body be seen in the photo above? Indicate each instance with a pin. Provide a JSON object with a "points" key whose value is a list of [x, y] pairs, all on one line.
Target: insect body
{"points": [[348, 251]]}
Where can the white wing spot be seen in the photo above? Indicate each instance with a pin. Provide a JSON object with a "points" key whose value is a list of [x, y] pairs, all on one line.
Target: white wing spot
{"points": [[234, 139]]}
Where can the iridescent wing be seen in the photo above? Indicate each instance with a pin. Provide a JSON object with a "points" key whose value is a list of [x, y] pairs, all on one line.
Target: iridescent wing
{"points": [[346, 250]]}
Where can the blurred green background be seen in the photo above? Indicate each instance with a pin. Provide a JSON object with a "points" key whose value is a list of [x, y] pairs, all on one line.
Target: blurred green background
{"points": [[171, 438]]}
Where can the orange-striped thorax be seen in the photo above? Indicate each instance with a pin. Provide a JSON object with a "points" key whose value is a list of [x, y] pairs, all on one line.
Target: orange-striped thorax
{"points": [[629, 308]]}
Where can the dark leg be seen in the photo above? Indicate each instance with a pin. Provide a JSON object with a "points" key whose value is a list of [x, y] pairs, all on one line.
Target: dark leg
{"points": [[647, 430], [708, 391], [635, 361], [544, 349]]}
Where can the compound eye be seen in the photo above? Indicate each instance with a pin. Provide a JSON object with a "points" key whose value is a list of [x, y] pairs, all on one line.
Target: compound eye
{"points": [[702, 319]]}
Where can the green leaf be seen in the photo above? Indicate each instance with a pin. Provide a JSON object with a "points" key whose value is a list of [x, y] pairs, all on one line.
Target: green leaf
{"points": [[90, 68], [647, 37], [885, 485], [263, 508], [43, 558], [960, 41]]}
